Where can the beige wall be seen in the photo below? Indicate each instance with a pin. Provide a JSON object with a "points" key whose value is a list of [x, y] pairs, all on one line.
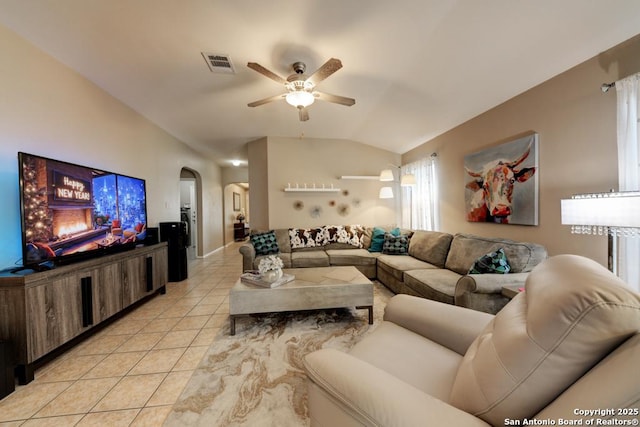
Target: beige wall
{"points": [[258, 184], [298, 161], [50, 110], [576, 124]]}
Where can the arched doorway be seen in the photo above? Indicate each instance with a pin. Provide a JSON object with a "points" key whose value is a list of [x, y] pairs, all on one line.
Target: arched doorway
{"points": [[191, 210]]}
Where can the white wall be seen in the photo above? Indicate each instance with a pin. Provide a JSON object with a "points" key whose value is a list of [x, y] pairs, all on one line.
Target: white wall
{"points": [[50, 110]]}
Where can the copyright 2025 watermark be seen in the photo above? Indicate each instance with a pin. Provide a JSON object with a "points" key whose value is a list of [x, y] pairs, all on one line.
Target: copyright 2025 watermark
{"points": [[584, 417]]}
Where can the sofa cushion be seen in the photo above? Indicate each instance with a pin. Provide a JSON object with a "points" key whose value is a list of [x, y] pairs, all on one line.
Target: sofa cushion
{"points": [[573, 313], [495, 262], [466, 249], [438, 284], [367, 232], [282, 236], [351, 257], [309, 259], [395, 245], [397, 265], [430, 246], [403, 353], [265, 243]]}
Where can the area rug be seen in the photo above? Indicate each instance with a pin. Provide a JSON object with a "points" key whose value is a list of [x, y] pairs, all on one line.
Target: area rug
{"points": [[256, 378]]}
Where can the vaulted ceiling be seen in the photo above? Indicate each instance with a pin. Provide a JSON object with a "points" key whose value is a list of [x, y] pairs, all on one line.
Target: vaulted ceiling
{"points": [[416, 68]]}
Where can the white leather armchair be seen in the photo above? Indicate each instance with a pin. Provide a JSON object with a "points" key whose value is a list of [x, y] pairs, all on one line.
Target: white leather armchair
{"points": [[570, 342]]}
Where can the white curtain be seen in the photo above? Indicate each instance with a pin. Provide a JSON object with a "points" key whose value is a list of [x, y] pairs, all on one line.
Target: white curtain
{"points": [[419, 202], [628, 96]]}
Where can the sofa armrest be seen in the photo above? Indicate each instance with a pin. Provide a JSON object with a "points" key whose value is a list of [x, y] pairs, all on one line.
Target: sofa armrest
{"points": [[248, 256], [433, 320], [488, 283], [374, 397]]}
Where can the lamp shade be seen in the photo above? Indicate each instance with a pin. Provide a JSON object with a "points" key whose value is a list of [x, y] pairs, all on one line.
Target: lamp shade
{"points": [[386, 175], [300, 98], [588, 212], [386, 193], [408, 180]]}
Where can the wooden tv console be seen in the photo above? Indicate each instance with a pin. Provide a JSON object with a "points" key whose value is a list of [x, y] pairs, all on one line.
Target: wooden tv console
{"points": [[41, 311]]}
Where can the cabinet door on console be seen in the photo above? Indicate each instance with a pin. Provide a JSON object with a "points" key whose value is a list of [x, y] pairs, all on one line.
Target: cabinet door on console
{"points": [[160, 268], [55, 314], [141, 277], [106, 291]]}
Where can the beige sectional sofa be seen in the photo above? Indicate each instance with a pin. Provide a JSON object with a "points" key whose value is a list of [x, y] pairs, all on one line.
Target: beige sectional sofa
{"points": [[322, 255], [436, 266]]}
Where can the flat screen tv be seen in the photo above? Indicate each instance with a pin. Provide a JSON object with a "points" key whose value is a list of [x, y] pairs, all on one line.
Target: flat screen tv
{"points": [[71, 212]]}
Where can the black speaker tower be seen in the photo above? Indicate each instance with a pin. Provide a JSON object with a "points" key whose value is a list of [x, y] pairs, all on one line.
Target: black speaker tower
{"points": [[175, 234]]}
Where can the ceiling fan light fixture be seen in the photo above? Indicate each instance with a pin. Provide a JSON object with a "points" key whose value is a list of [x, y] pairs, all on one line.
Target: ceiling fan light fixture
{"points": [[300, 99]]}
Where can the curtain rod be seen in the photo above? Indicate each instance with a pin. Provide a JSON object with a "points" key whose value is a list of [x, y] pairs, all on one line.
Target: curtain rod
{"points": [[606, 86]]}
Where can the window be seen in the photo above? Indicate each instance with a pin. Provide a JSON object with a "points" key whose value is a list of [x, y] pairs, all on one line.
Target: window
{"points": [[420, 202]]}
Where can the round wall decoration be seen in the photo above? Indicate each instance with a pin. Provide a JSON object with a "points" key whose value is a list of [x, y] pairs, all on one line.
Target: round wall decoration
{"points": [[343, 209], [315, 212]]}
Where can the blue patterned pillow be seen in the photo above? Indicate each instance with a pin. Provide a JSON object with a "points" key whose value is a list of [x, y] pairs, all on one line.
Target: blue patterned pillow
{"points": [[495, 262], [395, 245], [377, 238], [265, 243]]}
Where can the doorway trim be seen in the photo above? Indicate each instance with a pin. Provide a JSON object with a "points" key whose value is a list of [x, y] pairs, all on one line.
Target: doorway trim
{"points": [[195, 175]]}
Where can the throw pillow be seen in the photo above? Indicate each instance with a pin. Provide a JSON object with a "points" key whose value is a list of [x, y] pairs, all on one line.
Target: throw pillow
{"points": [[349, 234], [306, 237], [265, 243], [395, 245], [377, 238], [495, 262]]}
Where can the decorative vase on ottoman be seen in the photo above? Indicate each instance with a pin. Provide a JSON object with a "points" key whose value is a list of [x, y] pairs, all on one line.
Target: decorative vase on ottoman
{"points": [[270, 268], [271, 276]]}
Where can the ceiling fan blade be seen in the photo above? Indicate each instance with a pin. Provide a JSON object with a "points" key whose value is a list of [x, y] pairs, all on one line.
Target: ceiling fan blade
{"points": [[328, 68], [273, 76], [266, 100], [342, 100], [303, 113]]}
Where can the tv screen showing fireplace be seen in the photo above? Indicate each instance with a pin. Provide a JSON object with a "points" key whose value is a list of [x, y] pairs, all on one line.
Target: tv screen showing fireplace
{"points": [[71, 212]]}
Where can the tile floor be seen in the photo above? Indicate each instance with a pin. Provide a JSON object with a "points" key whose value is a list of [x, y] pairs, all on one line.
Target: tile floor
{"points": [[131, 372]]}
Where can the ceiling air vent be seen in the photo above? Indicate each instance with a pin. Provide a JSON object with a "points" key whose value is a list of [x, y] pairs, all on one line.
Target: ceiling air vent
{"points": [[219, 63]]}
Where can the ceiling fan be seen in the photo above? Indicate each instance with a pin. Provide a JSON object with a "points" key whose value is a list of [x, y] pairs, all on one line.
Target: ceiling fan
{"points": [[301, 88]]}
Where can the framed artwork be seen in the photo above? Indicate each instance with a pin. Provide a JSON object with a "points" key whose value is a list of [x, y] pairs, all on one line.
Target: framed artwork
{"points": [[501, 183], [236, 201]]}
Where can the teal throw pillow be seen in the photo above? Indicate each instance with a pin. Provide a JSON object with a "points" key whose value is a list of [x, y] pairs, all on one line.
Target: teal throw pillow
{"points": [[377, 238], [265, 243], [395, 245], [495, 262]]}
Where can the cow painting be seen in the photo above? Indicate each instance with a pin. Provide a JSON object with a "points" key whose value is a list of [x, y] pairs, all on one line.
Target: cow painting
{"points": [[494, 175]]}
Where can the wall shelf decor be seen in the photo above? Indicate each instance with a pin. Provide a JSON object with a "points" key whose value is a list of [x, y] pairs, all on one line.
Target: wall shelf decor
{"points": [[371, 177], [311, 190]]}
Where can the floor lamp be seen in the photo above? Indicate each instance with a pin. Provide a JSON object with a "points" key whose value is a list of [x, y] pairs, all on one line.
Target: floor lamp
{"points": [[611, 214]]}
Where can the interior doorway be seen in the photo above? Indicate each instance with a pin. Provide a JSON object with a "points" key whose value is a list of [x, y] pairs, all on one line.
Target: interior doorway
{"points": [[190, 210], [236, 212]]}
